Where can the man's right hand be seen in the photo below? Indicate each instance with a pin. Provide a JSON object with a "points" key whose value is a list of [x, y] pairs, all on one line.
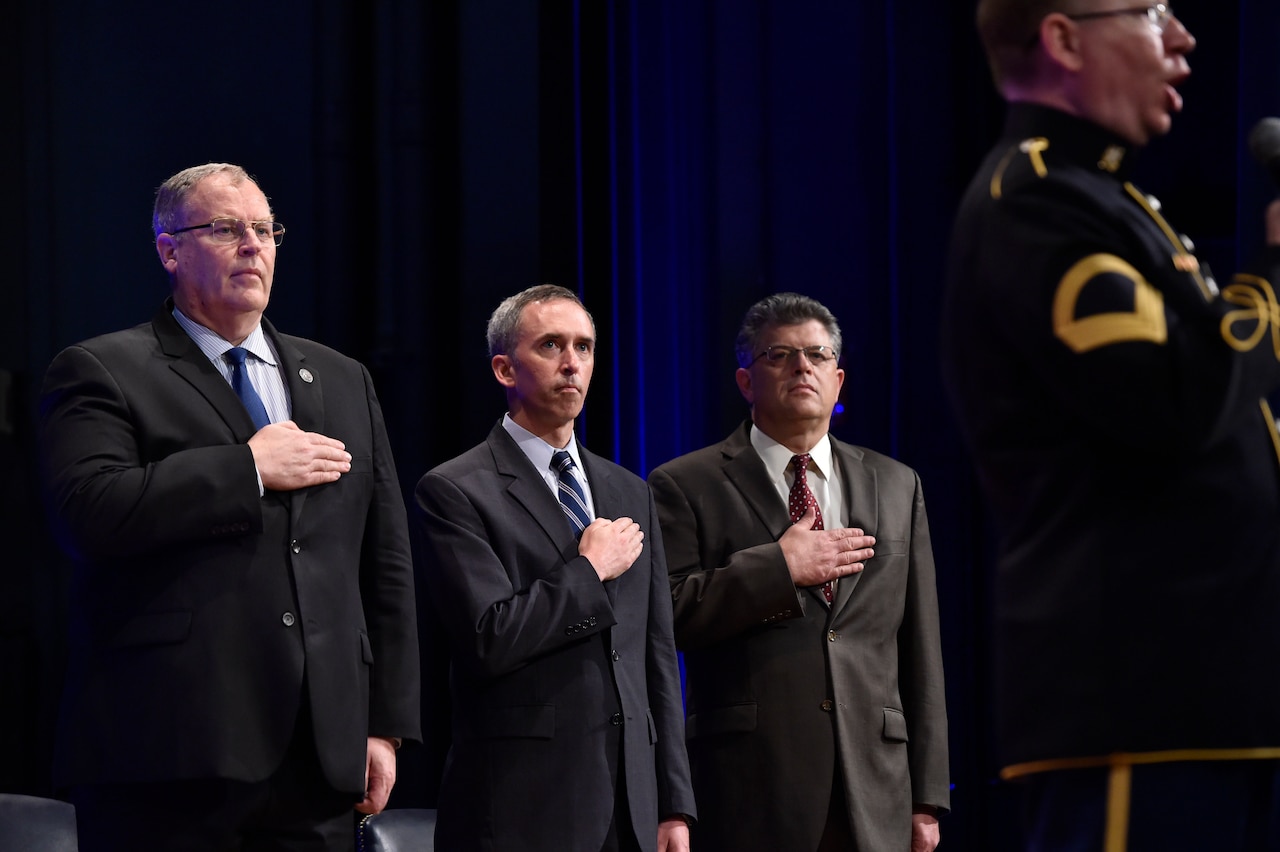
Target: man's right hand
{"points": [[816, 556], [289, 459], [611, 546]]}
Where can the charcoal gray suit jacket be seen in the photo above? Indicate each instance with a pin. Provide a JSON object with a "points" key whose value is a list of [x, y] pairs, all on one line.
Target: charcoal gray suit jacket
{"points": [[555, 676]]}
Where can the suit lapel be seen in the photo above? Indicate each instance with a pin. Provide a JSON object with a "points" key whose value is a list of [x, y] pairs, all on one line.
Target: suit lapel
{"points": [[191, 365], [306, 399], [861, 507], [603, 494], [305, 383], [605, 497], [747, 472], [527, 488], [743, 467]]}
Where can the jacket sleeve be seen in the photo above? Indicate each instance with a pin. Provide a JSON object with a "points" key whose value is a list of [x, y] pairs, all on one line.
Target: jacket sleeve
{"points": [[675, 789], [716, 597], [1131, 342], [109, 500], [387, 594], [920, 669], [496, 625]]}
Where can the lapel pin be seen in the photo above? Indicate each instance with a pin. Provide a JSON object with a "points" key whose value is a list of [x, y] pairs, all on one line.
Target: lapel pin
{"points": [[306, 375]]}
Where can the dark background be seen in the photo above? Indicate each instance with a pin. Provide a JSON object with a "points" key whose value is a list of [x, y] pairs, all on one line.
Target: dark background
{"points": [[672, 160]]}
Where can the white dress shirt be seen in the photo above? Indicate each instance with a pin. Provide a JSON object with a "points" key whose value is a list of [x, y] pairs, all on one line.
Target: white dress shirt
{"points": [[539, 452], [823, 476]]}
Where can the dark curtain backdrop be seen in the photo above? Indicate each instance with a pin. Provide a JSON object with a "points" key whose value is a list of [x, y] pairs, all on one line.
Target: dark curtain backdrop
{"points": [[672, 160]]}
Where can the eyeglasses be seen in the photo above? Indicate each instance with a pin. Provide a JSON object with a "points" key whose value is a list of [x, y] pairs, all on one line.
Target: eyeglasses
{"points": [[228, 230], [818, 356], [1158, 14]]}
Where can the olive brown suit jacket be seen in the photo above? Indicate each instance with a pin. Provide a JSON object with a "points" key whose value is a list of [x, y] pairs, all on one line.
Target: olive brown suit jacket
{"points": [[783, 693]]}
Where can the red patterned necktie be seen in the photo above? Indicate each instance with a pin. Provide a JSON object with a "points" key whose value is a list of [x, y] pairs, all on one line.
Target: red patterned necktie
{"points": [[799, 502]]}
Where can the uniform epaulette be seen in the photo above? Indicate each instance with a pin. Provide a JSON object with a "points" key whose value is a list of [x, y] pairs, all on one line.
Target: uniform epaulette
{"points": [[1034, 148]]}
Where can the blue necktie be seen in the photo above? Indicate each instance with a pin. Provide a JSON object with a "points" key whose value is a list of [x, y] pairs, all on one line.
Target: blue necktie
{"points": [[572, 498], [244, 388]]}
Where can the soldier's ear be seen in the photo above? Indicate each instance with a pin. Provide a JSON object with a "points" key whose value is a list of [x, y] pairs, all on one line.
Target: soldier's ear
{"points": [[1060, 41]]}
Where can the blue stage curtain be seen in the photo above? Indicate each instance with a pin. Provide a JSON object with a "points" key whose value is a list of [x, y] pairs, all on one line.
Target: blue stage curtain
{"points": [[671, 160]]}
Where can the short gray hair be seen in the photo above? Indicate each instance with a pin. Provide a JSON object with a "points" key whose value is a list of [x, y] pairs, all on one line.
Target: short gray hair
{"points": [[171, 197], [504, 324], [781, 309]]}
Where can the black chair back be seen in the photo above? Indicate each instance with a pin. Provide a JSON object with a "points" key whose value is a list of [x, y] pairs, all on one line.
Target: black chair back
{"points": [[32, 824], [398, 830]]}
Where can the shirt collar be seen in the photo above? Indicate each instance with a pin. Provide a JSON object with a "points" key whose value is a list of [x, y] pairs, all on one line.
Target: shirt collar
{"points": [[776, 457], [538, 451], [1070, 137], [215, 346]]}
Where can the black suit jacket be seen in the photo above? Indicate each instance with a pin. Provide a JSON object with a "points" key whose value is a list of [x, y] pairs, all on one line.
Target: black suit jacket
{"points": [[552, 671], [198, 605], [1113, 401], [783, 693]]}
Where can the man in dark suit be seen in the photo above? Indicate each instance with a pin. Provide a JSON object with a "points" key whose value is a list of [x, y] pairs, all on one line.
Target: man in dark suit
{"points": [[244, 654], [568, 731], [817, 718]]}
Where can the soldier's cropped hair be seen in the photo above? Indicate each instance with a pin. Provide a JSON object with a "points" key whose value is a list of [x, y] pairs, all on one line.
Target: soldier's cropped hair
{"points": [[1009, 30], [504, 324], [171, 197], [781, 309]]}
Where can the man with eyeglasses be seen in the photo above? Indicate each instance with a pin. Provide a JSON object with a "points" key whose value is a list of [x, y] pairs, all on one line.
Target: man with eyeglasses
{"points": [[805, 605], [243, 654], [1114, 399]]}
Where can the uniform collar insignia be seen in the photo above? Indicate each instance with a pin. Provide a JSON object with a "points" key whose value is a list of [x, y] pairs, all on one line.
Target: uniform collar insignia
{"points": [[1112, 158]]}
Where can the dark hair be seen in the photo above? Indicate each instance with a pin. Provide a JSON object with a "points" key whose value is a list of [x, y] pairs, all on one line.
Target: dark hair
{"points": [[504, 324], [1009, 30], [781, 309], [171, 197]]}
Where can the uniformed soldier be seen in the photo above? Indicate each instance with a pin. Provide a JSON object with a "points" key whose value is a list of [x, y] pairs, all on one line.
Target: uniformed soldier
{"points": [[1113, 396]]}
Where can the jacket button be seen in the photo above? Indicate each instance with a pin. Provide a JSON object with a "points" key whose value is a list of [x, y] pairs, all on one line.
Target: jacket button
{"points": [[287, 619], [831, 636], [826, 705], [591, 622], [616, 656], [295, 546], [615, 719]]}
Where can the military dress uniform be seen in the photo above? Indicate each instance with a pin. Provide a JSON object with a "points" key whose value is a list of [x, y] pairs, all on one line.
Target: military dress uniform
{"points": [[1113, 396]]}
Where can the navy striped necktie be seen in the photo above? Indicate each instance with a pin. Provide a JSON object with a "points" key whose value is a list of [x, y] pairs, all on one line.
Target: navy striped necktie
{"points": [[572, 498], [244, 388]]}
